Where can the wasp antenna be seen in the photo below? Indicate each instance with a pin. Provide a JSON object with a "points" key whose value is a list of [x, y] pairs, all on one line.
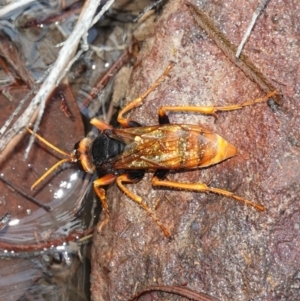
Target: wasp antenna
{"points": [[50, 171], [48, 143]]}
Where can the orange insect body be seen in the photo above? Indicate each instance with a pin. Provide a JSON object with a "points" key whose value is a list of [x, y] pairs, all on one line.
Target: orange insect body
{"points": [[124, 155], [169, 146]]}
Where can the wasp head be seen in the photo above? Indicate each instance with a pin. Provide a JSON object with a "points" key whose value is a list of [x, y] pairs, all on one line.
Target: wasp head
{"points": [[82, 153]]}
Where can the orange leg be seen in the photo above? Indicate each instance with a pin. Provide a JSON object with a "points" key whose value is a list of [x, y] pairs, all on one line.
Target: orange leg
{"points": [[126, 178], [107, 179], [212, 110], [100, 125], [200, 187], [138, 101]]}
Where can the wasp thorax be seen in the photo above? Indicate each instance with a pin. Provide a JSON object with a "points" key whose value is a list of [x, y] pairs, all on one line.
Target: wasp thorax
{"points": [[104, 148]]}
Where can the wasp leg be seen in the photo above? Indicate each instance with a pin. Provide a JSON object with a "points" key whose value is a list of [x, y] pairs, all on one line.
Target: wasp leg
{"points": [[100, 125], [138, 101], [134, 177], [211, 110], [201, 187], [107, 179]]}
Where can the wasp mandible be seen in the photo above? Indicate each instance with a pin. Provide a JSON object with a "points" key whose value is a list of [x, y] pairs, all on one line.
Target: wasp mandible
{"points": [[124, 155]]}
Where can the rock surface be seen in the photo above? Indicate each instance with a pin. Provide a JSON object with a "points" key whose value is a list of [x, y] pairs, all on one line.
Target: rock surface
{"points": [[218, 247]]}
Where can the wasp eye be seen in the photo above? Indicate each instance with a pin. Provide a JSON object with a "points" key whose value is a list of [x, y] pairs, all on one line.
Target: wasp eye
{"points": [[76, 154]]}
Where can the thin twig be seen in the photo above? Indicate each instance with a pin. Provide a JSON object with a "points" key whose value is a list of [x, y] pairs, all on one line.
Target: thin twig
{"points": [[8, 9], [229, 50], [55, 17], [66, 54], [23, 194], [61, 65], [249, 29], [105, 78], [178, 290], [43, 246], [104, 9], [146, 9]]}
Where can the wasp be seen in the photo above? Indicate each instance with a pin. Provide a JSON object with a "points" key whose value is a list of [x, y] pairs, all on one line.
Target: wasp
{"points": [[124, 155]]}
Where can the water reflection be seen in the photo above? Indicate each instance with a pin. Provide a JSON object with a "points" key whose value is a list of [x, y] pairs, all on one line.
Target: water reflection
{"points": [[58, 271]]}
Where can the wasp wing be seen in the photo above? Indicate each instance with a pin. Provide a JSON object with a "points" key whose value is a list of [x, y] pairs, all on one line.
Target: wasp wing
{"points": [[170, 146]]}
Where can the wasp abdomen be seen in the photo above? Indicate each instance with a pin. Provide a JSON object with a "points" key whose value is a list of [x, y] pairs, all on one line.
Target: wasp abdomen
{"points": [[173, 146], [198, 147]]}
